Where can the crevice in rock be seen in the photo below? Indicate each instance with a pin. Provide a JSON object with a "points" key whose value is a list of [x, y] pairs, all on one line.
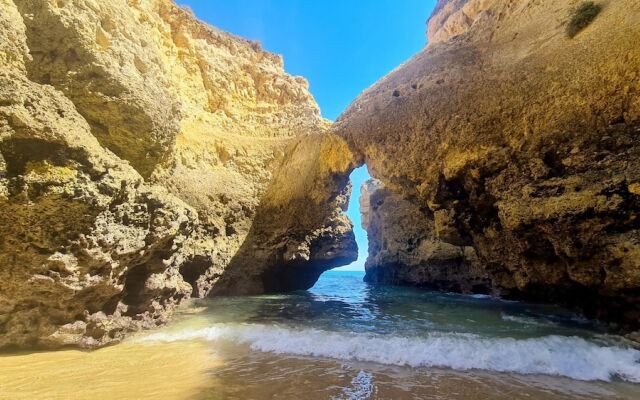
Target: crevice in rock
{"points": [[192, 271], [19, 153], [134, 284]]}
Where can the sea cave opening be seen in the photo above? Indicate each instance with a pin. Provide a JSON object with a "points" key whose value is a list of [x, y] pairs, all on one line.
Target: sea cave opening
{"points": [[358, 177]]}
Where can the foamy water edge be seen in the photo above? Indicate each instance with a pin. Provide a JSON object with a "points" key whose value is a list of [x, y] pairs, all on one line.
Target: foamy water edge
{"points": [[571, 357]]}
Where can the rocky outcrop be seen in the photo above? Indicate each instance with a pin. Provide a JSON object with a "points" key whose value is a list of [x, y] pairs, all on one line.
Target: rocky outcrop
{"points": [[144, 156], [80, 231], [299, 230], [507, 136], [407, 248]]}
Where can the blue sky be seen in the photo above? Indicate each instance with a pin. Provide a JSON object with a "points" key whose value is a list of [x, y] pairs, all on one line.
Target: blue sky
{"points": [[340, 46]]}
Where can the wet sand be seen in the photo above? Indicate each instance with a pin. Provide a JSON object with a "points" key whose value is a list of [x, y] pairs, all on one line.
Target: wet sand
{"points": [[259, 376], [124, 371]]}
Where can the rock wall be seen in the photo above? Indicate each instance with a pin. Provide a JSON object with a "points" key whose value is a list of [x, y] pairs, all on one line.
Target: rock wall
{"points": [[299, 230], [405, 248], [143, 156], [507, 136]]}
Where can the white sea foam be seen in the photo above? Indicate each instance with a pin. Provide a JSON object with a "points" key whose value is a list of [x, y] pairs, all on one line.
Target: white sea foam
{"points": [[481, 296], [361, 388], [525, 320], [571, 357]]}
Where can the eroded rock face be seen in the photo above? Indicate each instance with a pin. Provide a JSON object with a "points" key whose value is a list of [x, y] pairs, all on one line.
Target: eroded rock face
{"points": [[510, 138], [299, 230], [100, 55], [85, 244], [407, 248], [144, 158]]}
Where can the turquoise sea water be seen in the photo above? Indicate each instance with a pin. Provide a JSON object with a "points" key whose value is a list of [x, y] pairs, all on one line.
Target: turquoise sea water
{"points": [[342, 302], [348, 339]]}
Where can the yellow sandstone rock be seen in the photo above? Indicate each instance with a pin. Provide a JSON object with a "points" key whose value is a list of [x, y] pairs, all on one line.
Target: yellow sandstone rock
{"points": [[512, 138], [138, 153]]}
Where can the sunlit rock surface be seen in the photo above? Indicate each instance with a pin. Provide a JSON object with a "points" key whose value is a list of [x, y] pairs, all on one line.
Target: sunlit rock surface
{"points": [[138, 153], [508, 137]]}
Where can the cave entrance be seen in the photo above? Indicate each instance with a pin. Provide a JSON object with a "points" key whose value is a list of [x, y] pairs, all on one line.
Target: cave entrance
{"points": [[357, 178]]}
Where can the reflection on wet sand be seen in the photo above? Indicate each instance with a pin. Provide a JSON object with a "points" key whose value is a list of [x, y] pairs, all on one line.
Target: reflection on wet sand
{"points": [[259, 376]]}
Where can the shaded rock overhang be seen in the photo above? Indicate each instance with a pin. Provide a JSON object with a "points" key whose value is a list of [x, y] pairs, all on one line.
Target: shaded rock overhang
{"points": [[521, 143]]}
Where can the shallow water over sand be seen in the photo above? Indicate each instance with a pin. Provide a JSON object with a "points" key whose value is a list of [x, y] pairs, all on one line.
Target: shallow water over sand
{"points": [[344, 340]]}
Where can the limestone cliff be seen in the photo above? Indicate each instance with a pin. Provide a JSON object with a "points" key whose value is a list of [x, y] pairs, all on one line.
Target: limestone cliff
{"points": [[406, 248], [509, 137], [143, 155]]}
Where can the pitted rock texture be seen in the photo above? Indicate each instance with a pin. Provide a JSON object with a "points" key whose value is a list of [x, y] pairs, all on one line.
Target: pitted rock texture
{"points": [[139, 155], [299, 230], [407, 248], [521, 143], [85, 244]]}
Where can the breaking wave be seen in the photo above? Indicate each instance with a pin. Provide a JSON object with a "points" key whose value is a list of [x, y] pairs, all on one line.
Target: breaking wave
{"points": [[572, 357]]}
